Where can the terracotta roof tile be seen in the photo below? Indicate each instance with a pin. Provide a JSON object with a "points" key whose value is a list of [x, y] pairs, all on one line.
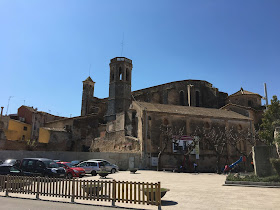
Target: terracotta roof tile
{"points": [[89, 79], [244, 92]]}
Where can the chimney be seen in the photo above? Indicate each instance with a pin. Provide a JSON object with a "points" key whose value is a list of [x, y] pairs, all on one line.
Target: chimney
{"points": [[2, 111]]}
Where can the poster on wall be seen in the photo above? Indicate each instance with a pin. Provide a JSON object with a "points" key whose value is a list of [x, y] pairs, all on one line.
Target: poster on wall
{"points": [[154, 161]]}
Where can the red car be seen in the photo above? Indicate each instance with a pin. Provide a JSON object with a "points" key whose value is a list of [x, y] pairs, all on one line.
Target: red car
{"points": [[72, 171]]}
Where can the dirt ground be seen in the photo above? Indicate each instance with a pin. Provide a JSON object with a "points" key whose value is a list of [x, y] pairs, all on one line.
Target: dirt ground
{"points": [[196, 191]]}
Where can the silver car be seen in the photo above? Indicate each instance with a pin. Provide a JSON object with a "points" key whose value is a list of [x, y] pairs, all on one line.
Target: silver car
{"points": [[92, 166], [107, 166]]}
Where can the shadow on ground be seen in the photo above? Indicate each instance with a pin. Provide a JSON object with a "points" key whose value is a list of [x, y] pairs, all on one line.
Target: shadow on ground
{"points": [[168, 203]]}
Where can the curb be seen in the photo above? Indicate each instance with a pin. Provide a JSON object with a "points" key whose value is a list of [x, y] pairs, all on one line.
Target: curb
{"points": [[252, 184]]}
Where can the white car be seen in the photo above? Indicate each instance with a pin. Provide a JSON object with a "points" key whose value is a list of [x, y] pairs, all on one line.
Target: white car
{"points": [[108, 166]]}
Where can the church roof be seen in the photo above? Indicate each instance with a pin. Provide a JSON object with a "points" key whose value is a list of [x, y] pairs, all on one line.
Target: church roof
{"points": [[190, 110], [244, 92], [88, 79]]}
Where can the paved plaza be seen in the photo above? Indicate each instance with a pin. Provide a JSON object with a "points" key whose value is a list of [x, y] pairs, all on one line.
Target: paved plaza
{"points": [[191, 191]]}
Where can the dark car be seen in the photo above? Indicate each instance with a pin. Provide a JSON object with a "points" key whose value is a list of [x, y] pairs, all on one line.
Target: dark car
{"points": [[12, 162], [6, 169], [41, 167]]}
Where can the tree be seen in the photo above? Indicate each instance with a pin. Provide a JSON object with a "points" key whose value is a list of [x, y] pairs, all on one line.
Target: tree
{"points": [[270, 120], [216, 139], [168, 134]]}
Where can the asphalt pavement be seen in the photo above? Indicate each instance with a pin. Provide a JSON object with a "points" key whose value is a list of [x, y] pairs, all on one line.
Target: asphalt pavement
{"points": [[9, 203]]}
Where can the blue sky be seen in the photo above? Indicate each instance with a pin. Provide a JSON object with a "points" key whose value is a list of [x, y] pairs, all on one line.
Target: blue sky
{"points": [[48, 47]]}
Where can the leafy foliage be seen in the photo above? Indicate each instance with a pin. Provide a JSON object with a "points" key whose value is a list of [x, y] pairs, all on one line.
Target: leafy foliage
{"points": [[276, 165], [271, 119]]}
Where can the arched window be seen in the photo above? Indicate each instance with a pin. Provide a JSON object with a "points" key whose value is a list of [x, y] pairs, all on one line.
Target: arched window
{"points": [[120, 73], [250, 103], [127, 74], [182, 98], [197, 98]]}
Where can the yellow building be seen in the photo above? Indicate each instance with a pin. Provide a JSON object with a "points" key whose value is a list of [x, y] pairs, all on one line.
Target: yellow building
{"points": [[44, 135], [18, 130]]}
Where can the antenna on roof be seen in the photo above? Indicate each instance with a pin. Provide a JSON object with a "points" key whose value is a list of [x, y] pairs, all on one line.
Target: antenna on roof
{"points": [[89, 70], [122, 44]]}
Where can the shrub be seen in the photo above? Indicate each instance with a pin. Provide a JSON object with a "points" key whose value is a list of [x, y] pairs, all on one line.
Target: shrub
{"points": [[253, 178], [276, 164]]}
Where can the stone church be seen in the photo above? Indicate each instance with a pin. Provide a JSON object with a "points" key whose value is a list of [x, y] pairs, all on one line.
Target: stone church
{"points": [[130, 121]]}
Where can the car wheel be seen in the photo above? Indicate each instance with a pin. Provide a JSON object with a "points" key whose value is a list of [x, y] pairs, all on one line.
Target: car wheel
{"points": [[113, 170], [69, 176], [93, 173]]}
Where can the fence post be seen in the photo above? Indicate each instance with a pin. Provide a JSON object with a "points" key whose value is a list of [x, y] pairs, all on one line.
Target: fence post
{"points": [[73, 191], [38, 188], [159, 197], [114, 193], [7, 186]]}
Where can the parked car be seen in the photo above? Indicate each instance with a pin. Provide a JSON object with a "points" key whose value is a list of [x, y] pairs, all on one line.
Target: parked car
{"points": [[6, 169], [108, 166], [76, 162], [92, 166], [41, 167], [72, 171], [12, 162]]}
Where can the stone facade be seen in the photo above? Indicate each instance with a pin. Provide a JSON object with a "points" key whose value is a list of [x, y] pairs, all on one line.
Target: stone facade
{"points": [[129, 121], [35, 118]]}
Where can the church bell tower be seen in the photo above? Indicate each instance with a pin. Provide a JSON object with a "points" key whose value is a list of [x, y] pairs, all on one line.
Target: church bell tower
{"points": [[120, 87], [88, 90]]}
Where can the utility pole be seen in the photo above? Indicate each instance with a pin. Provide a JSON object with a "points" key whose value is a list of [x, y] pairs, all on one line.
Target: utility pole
{"points": [[265, 96]]}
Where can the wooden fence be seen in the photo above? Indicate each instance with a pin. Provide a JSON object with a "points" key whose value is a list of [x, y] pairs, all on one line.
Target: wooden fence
{"points": [[99, 190]]}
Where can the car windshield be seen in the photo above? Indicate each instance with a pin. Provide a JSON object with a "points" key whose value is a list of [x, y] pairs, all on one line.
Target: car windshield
{"points": [[10, 161], [69, 165], [51, 164]]}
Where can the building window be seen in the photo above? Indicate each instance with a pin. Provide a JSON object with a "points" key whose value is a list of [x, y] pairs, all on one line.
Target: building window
{"points": [[127, 75], [197, 98], [165, 121], [239, 127], [120, 74], [250, 103], [25, 128], [23, 137], [182, 98]]}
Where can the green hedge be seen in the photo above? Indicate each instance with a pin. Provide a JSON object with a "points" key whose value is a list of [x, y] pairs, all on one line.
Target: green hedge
{"points": [[253, 178], [276, 165]]}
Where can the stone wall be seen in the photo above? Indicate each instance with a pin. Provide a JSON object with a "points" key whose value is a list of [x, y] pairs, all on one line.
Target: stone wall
{"points": [[121, 159], [203, 94], [261, 156]]}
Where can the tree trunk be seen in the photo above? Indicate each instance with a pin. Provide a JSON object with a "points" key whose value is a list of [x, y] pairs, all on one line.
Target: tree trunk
{"points": [[159, 157], [218, 164], [277, 149]]}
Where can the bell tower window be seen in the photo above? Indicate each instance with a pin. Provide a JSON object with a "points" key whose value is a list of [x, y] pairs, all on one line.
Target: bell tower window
{"points": [[127, 75], [182, 98], [197, 98], [120, 74]]}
